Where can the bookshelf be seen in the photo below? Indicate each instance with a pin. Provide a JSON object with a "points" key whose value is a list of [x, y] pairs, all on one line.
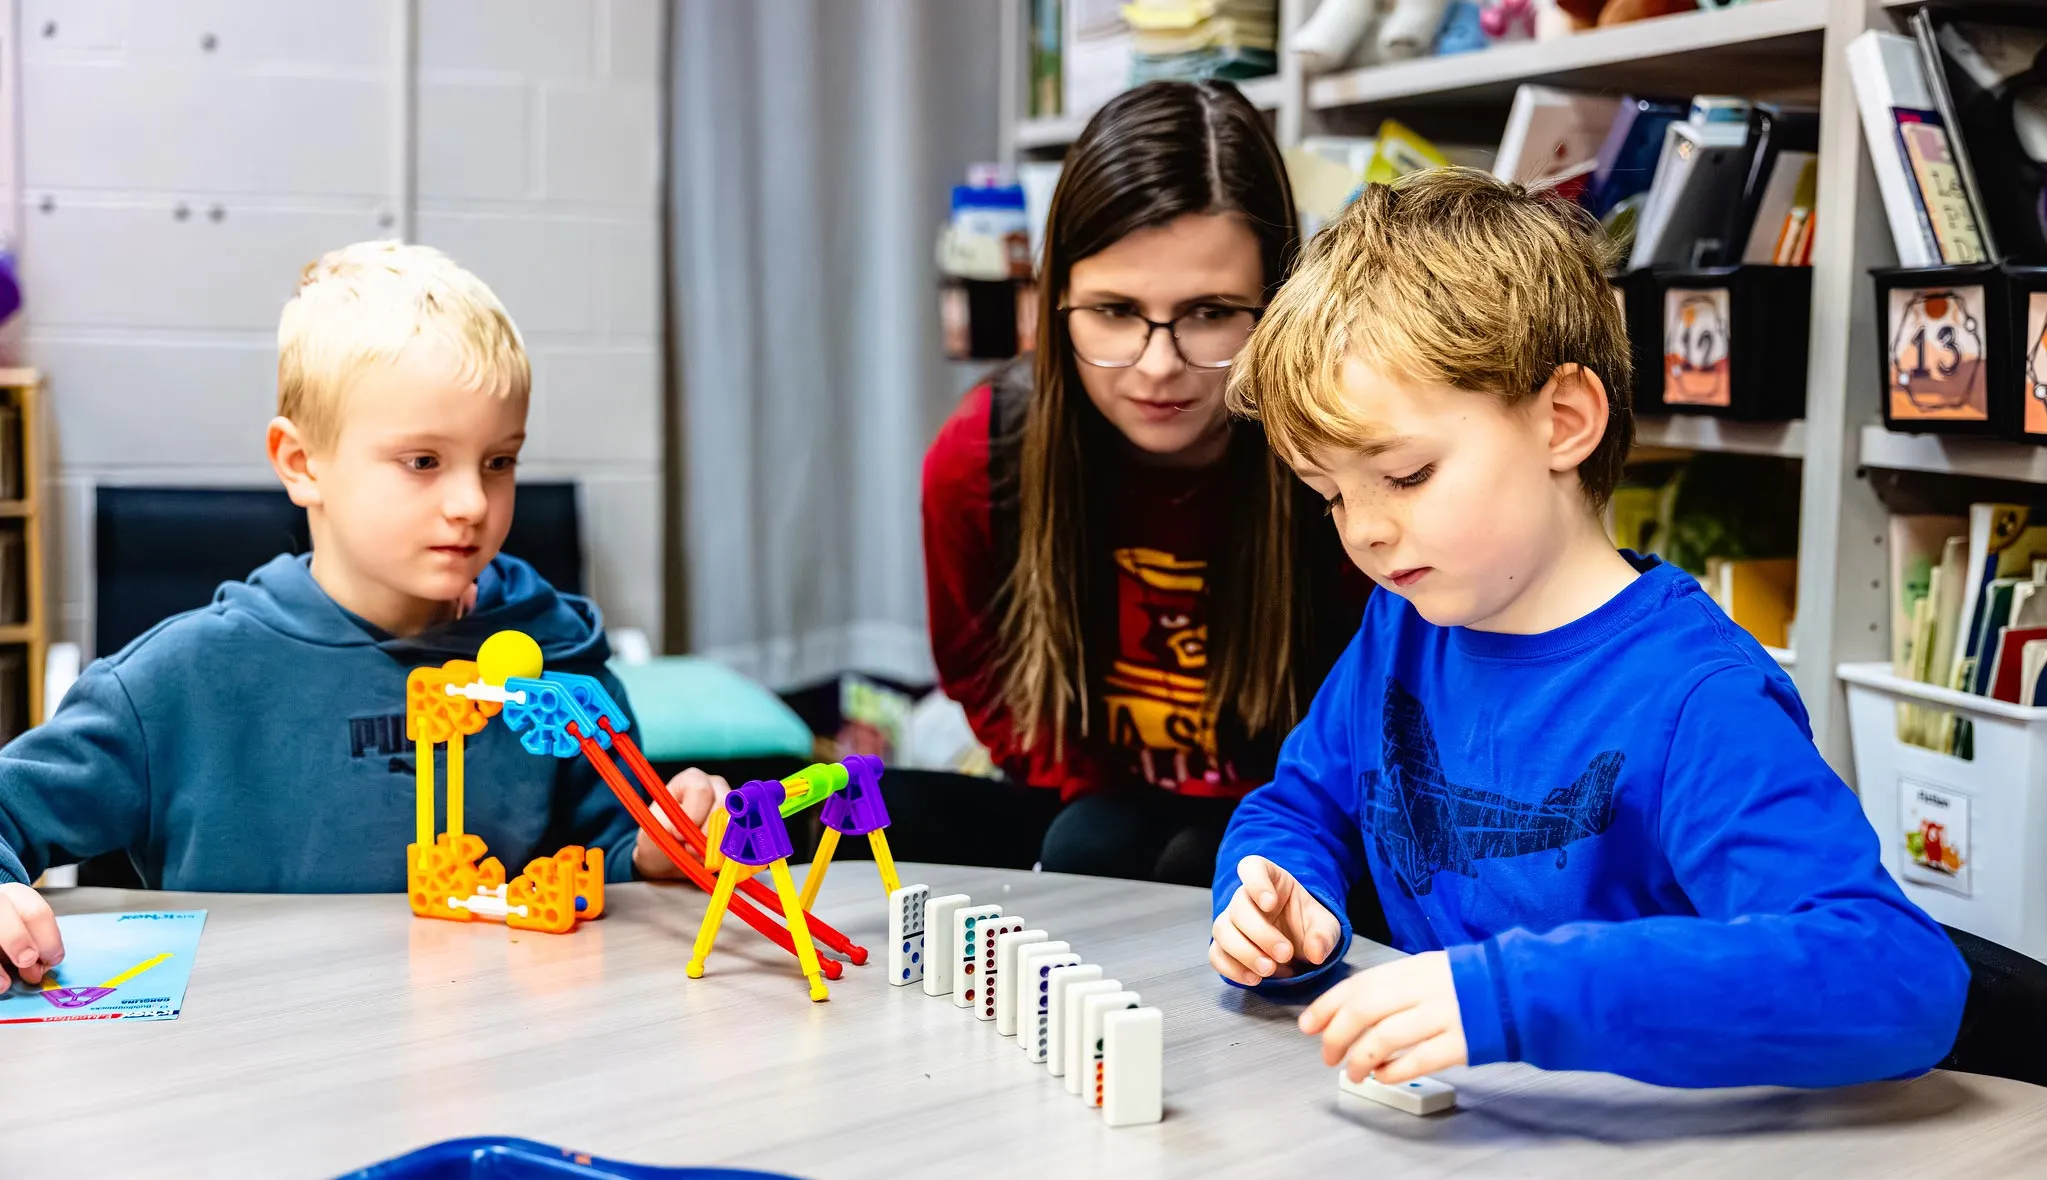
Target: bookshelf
{"points": [[1788, 50], [24, 636]]}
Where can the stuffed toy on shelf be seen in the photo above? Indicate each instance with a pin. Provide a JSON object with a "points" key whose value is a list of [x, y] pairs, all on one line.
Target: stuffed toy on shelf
{"points": [[1344, 33]]}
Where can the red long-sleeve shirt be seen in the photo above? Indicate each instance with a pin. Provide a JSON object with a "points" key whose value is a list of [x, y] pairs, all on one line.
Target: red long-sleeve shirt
{"points": [[1150, 641]]}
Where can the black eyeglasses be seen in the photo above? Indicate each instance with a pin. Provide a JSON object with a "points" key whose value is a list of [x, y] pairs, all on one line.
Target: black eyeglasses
{"points": [[1114, 335]]}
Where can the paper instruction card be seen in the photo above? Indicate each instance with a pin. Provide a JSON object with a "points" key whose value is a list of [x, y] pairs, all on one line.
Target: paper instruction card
{"points": [[116, 967]]}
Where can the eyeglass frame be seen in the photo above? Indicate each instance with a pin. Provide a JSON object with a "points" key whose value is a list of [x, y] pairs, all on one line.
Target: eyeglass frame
{"points": [[1151, 326]]}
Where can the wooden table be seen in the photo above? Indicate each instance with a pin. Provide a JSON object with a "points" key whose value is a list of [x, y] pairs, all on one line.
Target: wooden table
{"points": [[326, 1033]]}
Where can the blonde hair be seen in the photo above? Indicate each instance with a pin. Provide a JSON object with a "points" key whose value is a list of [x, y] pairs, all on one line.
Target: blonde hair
{"points": [[362, 306], [1447, 277]]}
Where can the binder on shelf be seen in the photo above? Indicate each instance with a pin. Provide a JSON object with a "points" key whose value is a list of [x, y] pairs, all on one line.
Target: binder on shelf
{"points": [[1931, 220]]}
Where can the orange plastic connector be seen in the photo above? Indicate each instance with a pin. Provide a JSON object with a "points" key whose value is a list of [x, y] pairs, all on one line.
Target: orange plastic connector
{"points": [[551, 887], [443, 871]]}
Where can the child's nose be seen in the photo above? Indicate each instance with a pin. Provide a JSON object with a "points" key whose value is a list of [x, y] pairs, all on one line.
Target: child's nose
{"points": [[465, 499]]}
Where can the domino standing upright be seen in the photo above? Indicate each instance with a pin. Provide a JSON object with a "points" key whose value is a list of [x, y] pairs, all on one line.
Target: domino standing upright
{"points": [[1133, 1067], [938, 952], [1086, 1067], [1033, 964], [1075, 1023], [1056, 985], [906, 934], [998, 966], [1072, 1065], [966, 930]]}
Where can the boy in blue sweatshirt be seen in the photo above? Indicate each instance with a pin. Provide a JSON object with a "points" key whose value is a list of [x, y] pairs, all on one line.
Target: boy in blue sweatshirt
{"points": [[1591, 804], [258, 744]]}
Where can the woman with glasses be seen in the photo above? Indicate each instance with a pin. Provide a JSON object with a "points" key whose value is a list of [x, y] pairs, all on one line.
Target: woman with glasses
{"points": [[1131, 597]]}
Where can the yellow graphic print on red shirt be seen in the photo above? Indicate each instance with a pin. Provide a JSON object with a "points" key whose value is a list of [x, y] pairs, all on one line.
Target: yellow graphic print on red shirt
{"points": [[1153, 690]]}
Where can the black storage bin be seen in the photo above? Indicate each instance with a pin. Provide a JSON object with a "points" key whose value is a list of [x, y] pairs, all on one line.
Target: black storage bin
{"points": [[1729, 341], [1636, 290], [2026, 296], [1947, 360]]}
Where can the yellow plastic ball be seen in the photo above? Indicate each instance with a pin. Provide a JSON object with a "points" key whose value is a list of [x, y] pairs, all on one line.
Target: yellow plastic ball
{"points": [[506, 655]]}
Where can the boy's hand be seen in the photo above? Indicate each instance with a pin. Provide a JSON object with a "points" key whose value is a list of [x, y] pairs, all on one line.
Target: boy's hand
{"points": [[698, 793], [1270, 923], [29, 941], [1407, 1008]]}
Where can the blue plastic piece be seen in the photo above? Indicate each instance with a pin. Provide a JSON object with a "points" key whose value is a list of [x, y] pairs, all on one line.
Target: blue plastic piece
{"points": [[542, 723], [523, 1159], [589, 693]]}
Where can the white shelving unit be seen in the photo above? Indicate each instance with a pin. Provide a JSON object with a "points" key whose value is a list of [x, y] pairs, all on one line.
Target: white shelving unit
{"points": [[1790, 50]]}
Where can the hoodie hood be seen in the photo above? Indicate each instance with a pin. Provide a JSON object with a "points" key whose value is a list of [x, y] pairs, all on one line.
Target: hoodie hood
{"points": [[510, 596]]}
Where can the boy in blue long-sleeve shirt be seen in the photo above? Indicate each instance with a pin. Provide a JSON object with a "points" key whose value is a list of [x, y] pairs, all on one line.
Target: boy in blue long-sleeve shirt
{"points": [[1591, 805], [258, 744]]}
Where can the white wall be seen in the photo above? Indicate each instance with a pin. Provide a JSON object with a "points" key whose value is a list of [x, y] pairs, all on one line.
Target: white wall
{"points": [[537, 167]]}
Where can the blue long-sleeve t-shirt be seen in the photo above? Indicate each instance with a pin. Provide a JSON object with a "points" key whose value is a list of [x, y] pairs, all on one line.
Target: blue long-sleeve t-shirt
{"points": [[258, 745], [1624, 837]]}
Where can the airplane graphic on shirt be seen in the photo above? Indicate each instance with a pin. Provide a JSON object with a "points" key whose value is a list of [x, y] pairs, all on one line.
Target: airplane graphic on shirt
{"points": [[1422, 823]]}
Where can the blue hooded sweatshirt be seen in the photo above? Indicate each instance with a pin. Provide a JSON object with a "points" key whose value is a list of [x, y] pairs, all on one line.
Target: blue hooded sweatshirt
{"points": [[258, 745], [1624, 836]]}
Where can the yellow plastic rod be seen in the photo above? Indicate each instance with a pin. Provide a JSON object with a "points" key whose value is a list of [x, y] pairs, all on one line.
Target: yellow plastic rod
{"points": [[883, 860], [423, 779], [799, 930], [819, 865], [721, 896], [714, 836], [455, 789]]}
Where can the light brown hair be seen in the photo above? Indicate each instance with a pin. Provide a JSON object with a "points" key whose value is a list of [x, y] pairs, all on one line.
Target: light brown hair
{"points": [[1446, 277], [1151, 155]]}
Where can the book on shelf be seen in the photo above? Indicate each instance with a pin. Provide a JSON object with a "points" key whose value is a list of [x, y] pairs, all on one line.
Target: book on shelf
{"points": [[1928, 207], [1928, 41], [1968, 607], [1626, 163], [1553, 134], [1993, 72], [1698, 181], [1759, 594], [1775, 135]]}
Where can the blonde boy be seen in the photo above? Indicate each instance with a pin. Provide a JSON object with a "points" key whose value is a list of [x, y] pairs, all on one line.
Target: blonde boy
{"points": [[225, 749], [1591, 805]]}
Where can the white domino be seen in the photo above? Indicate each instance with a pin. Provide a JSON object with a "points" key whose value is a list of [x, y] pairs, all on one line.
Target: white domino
{"points": [[1006, 946], [990, 985], [1133, 1066], [938, 952], [1423, 1095], [906, 934], [1057, 982], [1034, 967], [1089, 1060], [1072, 1065], [966, 943]]}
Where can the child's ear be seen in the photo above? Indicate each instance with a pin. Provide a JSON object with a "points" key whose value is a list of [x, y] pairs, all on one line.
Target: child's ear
{"points": [[1576, 398], [292, 460]]}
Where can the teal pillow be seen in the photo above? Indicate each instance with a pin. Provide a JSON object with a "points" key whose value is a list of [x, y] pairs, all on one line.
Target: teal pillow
{"points": [[689, 709]]}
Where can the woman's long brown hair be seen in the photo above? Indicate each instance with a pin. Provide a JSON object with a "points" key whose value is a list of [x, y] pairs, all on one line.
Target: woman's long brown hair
{"points": [[1153, 154]]}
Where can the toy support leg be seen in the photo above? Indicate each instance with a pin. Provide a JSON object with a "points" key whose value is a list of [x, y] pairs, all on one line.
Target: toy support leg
{"points": [[878, 841], [423, 780], [819, 865], [455, 785], [708, 932], [806, 954]]}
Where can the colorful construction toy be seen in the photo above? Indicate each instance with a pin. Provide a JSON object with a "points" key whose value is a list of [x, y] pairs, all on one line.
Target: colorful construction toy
{"points": [[750, 835], [563, 715], [443, 706]]}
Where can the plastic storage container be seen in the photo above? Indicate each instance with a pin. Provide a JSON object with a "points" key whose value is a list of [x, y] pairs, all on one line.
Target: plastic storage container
{"points": [[1966, 837]]}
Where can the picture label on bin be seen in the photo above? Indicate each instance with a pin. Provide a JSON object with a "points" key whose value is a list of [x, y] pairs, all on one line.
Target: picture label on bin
{"points": [[1695, 348], [1935, 829], [1937, 370], [2036, 364]]}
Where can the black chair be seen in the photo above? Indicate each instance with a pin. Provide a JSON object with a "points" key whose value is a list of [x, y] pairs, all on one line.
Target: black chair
{"points": [[161, 551], [2004, 1019]]}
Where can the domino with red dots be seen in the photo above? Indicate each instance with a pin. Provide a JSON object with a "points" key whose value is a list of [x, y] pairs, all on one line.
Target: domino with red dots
{"points": [[967, 940]]}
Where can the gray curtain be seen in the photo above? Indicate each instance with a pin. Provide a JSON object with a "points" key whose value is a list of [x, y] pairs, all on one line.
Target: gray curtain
{"points": [[814, 143]]}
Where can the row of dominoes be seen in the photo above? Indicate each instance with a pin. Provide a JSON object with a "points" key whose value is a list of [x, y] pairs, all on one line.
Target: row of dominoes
{"points": [[1088, 1029]]}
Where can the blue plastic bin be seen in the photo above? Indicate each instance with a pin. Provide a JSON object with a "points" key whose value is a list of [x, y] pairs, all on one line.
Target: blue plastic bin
{"points": [[523, 1159]]}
